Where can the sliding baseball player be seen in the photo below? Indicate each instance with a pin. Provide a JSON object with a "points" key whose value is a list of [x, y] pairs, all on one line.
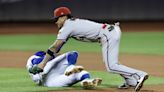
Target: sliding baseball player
{"points": [[61, 71]]}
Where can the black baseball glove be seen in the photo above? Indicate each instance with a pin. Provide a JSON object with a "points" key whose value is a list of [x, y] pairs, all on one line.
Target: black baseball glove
{"points": [[35, 70]]}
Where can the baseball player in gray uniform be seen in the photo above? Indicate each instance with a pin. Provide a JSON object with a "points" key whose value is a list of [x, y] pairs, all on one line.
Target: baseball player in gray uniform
{"points": [[61, 71], [89, 31]]}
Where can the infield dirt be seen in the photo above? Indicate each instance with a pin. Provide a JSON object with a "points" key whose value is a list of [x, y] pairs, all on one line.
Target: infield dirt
{"points": [[93, 61], [154, 65]]}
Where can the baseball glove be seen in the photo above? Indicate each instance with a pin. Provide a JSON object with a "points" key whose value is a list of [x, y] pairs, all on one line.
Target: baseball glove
{"points": [[35, 70]]}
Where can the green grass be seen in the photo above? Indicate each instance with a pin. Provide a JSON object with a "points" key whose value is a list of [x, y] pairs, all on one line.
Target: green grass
{"points": [[25, 42], [143, 43], [18, 80], [131, 43]]}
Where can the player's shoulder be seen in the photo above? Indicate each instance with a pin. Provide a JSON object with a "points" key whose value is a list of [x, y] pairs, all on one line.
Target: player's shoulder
{"points": [[68, 24], [74, 20], [85, 21], [70, 21]]}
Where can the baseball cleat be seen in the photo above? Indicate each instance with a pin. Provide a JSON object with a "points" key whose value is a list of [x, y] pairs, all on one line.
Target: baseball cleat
{"points": [[91, 83], [141, 82], [97, 81], [75, 69], [125, 86]]}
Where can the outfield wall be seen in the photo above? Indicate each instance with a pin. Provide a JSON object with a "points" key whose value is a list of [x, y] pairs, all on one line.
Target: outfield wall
{"points": [[42, 10], [35, 28]]}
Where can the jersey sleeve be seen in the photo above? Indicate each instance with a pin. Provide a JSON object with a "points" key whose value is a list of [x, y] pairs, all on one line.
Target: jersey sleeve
{"points": [[64, 33]]}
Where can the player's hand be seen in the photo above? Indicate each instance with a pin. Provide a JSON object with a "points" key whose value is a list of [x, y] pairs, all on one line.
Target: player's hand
{"points": [[35, 70]]}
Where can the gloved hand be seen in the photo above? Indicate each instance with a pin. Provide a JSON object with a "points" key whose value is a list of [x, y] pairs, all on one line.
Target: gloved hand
{"points": [[35, 70]]}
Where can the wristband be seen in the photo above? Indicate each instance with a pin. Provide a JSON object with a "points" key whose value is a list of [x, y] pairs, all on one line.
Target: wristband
{"points": [[49, 52]]}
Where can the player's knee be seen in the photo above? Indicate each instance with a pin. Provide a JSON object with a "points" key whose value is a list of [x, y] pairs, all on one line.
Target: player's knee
{"points": [[112, 67], [72, 57]]}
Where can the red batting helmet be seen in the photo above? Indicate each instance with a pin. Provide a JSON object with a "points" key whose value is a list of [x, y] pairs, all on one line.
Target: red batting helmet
{"points": [[61, 11]]}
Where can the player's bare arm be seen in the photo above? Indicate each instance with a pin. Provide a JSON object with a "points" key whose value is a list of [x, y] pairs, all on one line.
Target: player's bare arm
{"points": [[52, 52]]}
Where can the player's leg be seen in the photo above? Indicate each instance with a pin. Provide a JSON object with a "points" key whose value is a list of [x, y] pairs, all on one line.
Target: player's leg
{"points": [[60, 63], [62, 80], [110, 49], [59, 80], [129, 82], [72, 69], [72, 58], [84, 77]]}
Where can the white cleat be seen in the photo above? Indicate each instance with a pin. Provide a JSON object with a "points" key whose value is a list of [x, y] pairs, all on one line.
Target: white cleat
{"points": [[91, 83], [141, 82], [75, 69]]}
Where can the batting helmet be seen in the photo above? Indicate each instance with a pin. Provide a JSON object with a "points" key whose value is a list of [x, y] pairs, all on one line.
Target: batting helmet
{"points": [[61, 11]]}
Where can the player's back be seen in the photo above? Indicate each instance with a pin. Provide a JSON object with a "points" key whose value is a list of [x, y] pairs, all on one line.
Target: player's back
{"points": [[84, 29]]}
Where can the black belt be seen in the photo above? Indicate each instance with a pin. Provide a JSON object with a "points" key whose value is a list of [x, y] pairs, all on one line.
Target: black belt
{"points": [[110, 28]]}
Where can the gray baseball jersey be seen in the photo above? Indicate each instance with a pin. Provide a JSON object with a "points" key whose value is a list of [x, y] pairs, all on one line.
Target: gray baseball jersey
{"points": [[80, 29], [109, 37]]}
